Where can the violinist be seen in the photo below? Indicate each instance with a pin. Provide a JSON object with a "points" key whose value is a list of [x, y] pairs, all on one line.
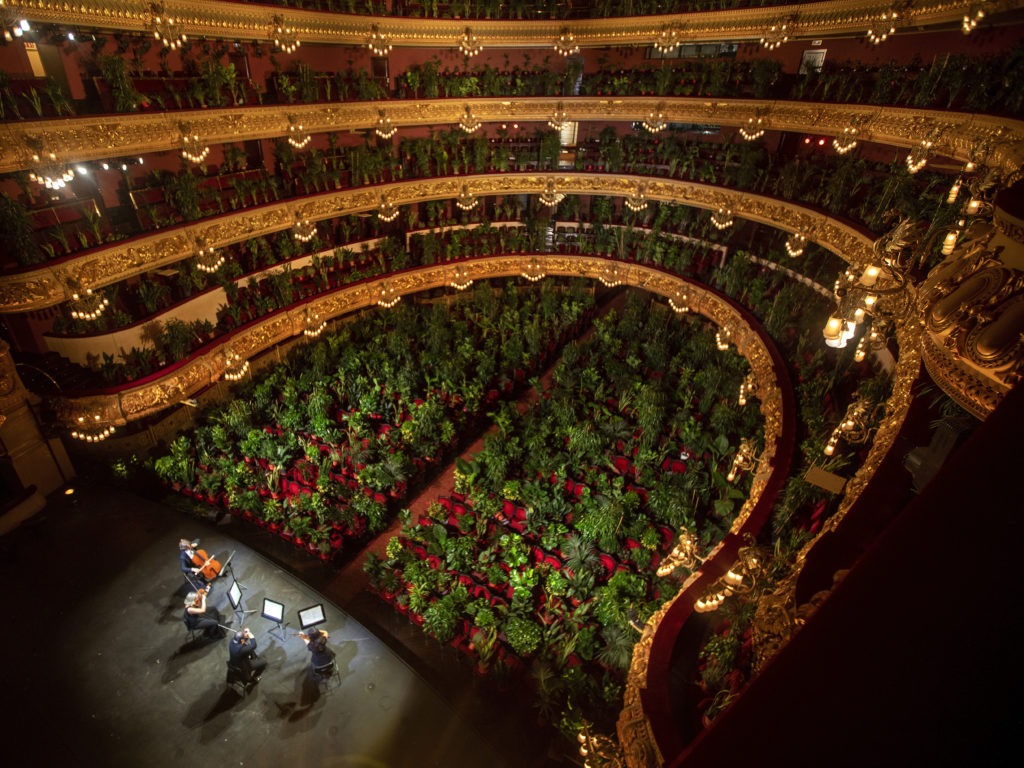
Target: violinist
{"points": [[199, 616], [316, 644], [243, 658]]}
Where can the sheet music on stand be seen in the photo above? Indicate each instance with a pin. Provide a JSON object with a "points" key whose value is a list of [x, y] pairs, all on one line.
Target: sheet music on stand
{"points": [[274, 611]]}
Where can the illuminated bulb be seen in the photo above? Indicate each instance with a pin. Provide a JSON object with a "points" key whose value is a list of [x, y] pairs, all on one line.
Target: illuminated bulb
{"points": [[870, 275], [953, 192], [949, 243], [973, 206]]}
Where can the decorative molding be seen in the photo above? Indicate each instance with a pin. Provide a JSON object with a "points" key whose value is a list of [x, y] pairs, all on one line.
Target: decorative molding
{"points": [[955, 134], [241, 21], [48, 285]]}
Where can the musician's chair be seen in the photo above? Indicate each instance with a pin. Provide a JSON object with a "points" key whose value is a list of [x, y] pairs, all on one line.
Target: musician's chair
{"points": [[241, 679], [325, 674]]}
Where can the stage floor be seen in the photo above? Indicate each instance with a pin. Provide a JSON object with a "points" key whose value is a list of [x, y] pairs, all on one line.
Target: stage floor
{"points": [[101, 670]]}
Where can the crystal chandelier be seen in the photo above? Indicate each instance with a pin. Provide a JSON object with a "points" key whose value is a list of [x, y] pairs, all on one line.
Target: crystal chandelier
{"points": [[638, 200], [234, 366], [753, 129], [551, 196], [776, 35], [387, 211], [387, 296], [460, 279], [207, 259], [466, 200], [668, 40], [795, 244], [680, 302], [533, 271], [846, 142], [884, 29], [566, 44], [88, 306], [285, 38], [304, 230], [469, 122], [722, 218], [164, 28], [559, 119], [50, 173], [94, 435], [378, 42], [469, 44], [384, 128], [192, 149], [655, 121], [297, 136]]}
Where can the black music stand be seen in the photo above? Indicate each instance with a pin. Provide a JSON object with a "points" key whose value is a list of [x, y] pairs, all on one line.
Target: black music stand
{"points": [[235, 598], [310, 617], [274, 611]]}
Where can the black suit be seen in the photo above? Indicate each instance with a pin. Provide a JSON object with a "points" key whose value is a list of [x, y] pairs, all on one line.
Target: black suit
{"points": [[243, 656]]}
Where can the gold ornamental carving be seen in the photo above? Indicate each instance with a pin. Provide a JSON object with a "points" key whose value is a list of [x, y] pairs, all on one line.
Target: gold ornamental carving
{"points": [[955, 134], [241, 21], [23, 291]]}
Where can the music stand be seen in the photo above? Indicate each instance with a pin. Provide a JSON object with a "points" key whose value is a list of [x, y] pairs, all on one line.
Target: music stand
{"points": [[274, 611], [235, 598], [310, 617]]}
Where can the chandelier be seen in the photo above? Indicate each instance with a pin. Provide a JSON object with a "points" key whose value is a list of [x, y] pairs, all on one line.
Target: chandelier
{"points": [[88, 306], [207, 259], [378, 42], [469, 122], [469, 44], [466, 200], [873, 340], [533, 271], [388, 297], [285, 38], [297, 136], [680, 302], [51, 174], [746, 459], [610, 277], [234, 366], [776, 35], [884, 29], [970, 21], [460, 279], [655, 121], [566, 44], [747, 388], [918, 156], [192, 149], [304, 230], [858, 424], [97, 436], [559, 119], [313, 328], [599, 750], [164, 28], [722, 338], [846, 142], [795, 244], [550, 196], [668, 40], [387, 211], [722, 218], [683, 555], [638, 200], [384, 128], [753, 129], [741, 578]]}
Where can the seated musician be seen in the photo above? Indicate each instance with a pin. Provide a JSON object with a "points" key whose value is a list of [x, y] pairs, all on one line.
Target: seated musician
{"points": [[198, 616], [316, 644], [244, 661], [192, 572]]}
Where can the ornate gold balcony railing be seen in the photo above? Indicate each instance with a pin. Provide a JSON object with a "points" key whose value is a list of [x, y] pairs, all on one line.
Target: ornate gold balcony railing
{"points": [[49, 285]]}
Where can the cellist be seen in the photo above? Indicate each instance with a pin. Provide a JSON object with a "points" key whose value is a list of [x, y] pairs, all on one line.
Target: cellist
{"points": [[192, 572]]}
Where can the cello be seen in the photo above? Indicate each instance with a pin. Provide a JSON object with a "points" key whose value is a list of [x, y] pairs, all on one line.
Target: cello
{"points": [[209, 567]]}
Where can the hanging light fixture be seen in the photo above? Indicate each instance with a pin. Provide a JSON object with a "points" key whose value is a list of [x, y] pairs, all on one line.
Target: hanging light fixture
{"points": [[460, 278], [746, 459], [551, 196], [776, 35], [559, 119], [846, 142], [466, 200], [285, 37], [637, 202], [609, 276], [469, 44], [303, 230], [378, 42], [917, 158], [207, 258], [387, 211], [88, 306], [566, 44], [655, 121], [747, 388], [680, 301], [667, 40], [685, 554], [858, 424], [795, 244], [92, 434], [753, 129], [314, 325], [469, 122], [384, 128], [533, 271], [884, 28], [722, 338], [297, 136], [722, 218], [50, 173], [192, 149], [970, 21], [234, 366], [164, 28], [387, 296]]}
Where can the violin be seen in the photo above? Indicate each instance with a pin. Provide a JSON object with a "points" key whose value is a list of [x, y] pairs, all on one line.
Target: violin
{"points": [[208, 566], [304, 636], [200, 594]]}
